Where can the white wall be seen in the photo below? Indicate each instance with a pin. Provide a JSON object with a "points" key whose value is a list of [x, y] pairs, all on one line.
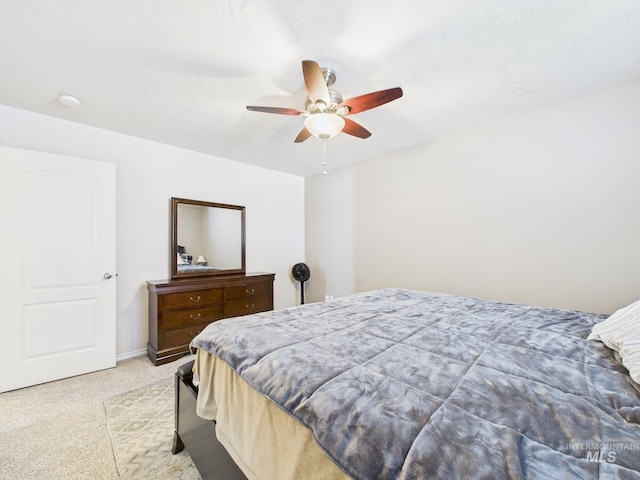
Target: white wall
{"points": [[148, 174], [541, 208], [330, 228]]}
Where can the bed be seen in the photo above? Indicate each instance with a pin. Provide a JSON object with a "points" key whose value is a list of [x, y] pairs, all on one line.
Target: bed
{"points": [[403, 384]]}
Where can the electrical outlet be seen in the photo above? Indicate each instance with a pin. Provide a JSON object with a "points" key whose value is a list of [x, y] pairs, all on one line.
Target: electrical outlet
{"points": [[328, 298]]}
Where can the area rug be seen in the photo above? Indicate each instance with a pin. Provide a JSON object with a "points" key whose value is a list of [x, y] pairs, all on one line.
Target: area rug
{"points": [[141, 426]]}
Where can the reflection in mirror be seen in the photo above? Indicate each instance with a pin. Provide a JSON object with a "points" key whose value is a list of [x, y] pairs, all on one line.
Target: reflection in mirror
{"points": [[207, 238]]}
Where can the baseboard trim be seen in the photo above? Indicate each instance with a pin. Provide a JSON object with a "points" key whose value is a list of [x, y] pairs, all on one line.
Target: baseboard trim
{"points": [[126, 356]]}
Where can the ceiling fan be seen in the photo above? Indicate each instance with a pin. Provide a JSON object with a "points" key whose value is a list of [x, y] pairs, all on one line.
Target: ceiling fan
{"points": [[325, 112]]}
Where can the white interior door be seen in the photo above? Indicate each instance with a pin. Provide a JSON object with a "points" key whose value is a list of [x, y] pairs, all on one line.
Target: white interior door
{"points": [[58, 285]]}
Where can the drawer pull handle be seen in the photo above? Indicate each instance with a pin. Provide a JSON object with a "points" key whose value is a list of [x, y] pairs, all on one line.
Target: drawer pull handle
{"points": [[250, 292], [195, 300], [250, 306], [197, 317]]}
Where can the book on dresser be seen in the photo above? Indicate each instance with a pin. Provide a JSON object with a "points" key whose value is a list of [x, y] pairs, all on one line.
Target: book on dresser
{"points": [[180, 309]]}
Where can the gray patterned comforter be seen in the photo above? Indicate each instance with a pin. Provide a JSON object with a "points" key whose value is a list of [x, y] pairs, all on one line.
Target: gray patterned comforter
{"points": [[401, 384]]}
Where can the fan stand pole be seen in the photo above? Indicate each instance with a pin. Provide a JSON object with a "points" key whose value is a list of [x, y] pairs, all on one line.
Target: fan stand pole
{"points": [[301, 292]]}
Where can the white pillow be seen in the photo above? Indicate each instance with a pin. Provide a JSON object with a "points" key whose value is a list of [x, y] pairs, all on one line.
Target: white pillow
{"points": [[621, 332]]}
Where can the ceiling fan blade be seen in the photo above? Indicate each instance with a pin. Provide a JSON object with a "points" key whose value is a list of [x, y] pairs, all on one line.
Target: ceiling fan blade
{"points": [[314, 81], [355, 129], [281, 111], [302, 136], [371, 100]]}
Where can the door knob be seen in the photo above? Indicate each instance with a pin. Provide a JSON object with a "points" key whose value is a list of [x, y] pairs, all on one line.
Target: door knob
{"points": [[107, 275]]}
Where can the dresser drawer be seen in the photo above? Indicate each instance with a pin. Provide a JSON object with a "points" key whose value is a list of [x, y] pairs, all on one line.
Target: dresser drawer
{"points": [[190, 299], [192, 316], [247, 306], [247, 291], [179, 336]]}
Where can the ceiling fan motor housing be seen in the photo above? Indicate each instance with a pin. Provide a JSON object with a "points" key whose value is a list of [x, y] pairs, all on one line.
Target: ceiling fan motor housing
{"points": [[332, 107]]}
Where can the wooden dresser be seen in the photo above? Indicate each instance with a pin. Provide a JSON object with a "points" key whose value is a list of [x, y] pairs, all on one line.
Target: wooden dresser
{"points": [[180, 309]]}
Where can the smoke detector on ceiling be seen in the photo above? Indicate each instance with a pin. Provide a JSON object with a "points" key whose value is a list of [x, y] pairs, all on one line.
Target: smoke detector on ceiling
{"points": [[69, 100]]}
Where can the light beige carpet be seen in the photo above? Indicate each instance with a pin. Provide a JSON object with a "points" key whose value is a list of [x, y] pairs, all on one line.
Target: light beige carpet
{"points": [[69, 446], [141, 426], [58, 430]]}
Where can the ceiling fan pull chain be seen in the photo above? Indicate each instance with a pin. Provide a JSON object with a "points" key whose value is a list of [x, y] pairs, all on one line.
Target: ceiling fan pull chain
{"points": [[324, 157]]}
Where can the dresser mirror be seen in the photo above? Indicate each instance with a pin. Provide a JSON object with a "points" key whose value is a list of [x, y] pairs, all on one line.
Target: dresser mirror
{"points": [[206, 238]]}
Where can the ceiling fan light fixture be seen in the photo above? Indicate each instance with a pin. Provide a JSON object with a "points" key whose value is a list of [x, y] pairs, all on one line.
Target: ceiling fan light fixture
{"points": [[324, 125]]}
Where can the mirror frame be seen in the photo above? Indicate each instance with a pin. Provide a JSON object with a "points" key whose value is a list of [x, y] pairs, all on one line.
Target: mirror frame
{"points": [[174, 238]]}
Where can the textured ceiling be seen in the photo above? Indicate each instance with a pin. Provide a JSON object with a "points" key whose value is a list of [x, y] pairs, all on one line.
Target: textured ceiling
{"points": [[181, 72]]}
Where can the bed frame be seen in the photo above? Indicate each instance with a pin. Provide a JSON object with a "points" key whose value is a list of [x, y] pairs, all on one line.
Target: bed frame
{"points": [[198, 435]]}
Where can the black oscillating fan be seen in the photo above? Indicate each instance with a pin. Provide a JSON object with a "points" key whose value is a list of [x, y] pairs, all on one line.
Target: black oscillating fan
{"points": [[301, 272]]}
